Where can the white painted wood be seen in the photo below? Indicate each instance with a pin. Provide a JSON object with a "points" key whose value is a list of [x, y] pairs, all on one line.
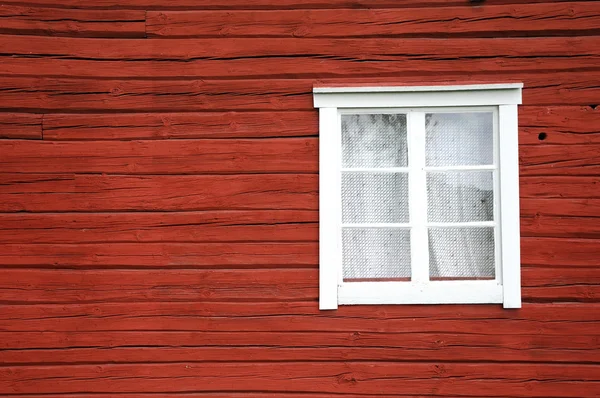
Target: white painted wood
{"points": [[473, 224], [434, 292], [461, 168], [415, 102], [405, 89], [417, 197], [376, 169], [509, 205], [377, 225], [329, 207], [434, 96]]}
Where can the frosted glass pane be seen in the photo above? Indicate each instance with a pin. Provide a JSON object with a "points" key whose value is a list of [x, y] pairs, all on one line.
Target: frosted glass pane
{"points": [[460, 196], [375, 253], [459, 139], [374, 141], [461, 253], [374, 197]]}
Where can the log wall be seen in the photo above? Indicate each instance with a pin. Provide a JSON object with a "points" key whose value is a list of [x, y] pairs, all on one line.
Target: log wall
{"points": [[159, 199]]}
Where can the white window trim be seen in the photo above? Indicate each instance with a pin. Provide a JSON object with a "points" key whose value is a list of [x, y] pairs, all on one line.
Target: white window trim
{"points": [[332, 102]]}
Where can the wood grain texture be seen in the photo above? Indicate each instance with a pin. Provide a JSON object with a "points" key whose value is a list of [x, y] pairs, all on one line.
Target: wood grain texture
{"points": [[21, 126], [259, 5], [573, 18], [57, 286], [138, 126], [84, 95], [29, 192], [556, 319], [225, 156], [15, 19], [165, 255], [291, 58], [338, 377], [551, 252], [157, 227], [276, 155], [563, 125]]}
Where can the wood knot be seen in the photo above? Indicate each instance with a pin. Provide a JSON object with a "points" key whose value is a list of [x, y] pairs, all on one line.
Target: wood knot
{"points": [[355, 336], [347, 378], [440, 370]]}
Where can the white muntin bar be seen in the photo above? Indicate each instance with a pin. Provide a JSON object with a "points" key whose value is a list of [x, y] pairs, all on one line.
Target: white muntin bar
{"points": [[419, 245]]}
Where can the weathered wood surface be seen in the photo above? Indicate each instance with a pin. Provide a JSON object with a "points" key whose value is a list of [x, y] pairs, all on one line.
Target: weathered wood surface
{"points": [[16, 19], [273, 155], [174, 255], [137, 126], [290, 58], [43, 286], [156, 227], [541, 19], [159, 199], [21, 126], [91, 192], [564, 125], [34, 94], [87, 192], [554, 252], [236, 226], [332, 377], [258, 5]]}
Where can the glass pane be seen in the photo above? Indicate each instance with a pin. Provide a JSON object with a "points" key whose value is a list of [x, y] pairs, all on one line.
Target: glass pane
{"points": [[375, 253], [461, 253], [460, 196], [459, 139], [374, 197], [374, 141]]}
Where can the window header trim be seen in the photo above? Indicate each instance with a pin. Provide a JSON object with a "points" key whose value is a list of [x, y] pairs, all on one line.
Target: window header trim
{"points": [[418, 96]]}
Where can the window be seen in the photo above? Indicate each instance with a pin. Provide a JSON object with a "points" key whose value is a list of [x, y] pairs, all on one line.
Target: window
{"points": [[419, 195]]}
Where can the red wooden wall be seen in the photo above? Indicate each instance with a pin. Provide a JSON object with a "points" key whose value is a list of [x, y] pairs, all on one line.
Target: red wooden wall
{"points": [[158, 199]]}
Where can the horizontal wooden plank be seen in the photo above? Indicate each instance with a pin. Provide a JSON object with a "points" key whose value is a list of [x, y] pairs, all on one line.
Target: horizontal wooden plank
{"points": [[39, 286], [291, 58], [559, 207], [542, 225], [558, 251], [291, 155], [189, 50], [21, 126], [209, 226], [560, 284], [523, 346], [564, 319], [458, 379], [576, 187], [179, 125], [162, 255], [559, 125], [84, 95], [37, 192], [534, 251], [542, 19], [15, 19], [95, 286], [266, 352], [73, 95], [569, 160], [257, 4]]}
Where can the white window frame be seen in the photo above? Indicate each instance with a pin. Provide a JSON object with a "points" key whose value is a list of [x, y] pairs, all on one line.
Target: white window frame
{"points": [[503, 100]]}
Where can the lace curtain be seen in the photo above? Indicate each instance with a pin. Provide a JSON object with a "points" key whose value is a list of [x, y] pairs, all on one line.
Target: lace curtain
{"points": [[380, 141]]}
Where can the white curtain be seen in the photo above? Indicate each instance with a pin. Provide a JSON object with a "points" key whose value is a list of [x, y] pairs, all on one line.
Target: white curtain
{"points": [[375, 141]]}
